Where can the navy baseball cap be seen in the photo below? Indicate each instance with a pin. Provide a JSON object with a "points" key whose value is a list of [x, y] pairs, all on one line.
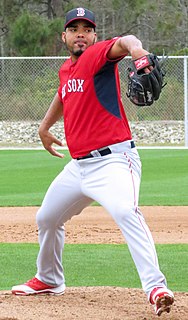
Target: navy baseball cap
{"points": [[80, 13]]}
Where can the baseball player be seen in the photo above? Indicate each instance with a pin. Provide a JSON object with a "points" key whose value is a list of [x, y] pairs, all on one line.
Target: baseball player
{"points": [[105, 165]]}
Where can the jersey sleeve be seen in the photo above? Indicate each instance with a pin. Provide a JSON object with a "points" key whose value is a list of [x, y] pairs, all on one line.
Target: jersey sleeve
{"points": [[96, 55], [108, 49]]}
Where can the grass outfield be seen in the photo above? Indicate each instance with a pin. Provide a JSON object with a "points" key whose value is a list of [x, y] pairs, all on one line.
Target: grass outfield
{"points": [[26, 175], [94, 265]]}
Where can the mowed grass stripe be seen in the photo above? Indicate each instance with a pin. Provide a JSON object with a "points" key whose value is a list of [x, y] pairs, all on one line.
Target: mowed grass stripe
{"points": [[26, 175], [94, 265]]}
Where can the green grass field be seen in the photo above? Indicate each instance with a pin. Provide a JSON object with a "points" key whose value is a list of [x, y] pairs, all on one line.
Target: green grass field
{"points": [[93, 265], [26, 175]]}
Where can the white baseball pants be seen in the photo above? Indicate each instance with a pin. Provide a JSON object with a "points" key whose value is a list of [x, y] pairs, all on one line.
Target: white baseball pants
{"points": [[113, 181]]}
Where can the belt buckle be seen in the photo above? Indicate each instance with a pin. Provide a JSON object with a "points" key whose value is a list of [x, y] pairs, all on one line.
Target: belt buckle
{"points": [[95, 153]]}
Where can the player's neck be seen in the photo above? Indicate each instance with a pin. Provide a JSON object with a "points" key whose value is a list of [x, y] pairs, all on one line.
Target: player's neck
{"points": [[74, 58]]}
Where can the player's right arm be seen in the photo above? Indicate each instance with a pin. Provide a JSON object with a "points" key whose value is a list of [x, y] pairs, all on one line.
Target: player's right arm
{"points": [[53, 114]]}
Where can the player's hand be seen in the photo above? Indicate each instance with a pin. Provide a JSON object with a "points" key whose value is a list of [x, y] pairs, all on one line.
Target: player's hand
{"points": [[48, 140]]}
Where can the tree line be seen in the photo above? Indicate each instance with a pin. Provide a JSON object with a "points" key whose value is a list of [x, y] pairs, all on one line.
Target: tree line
{"points": [[34, 27]]}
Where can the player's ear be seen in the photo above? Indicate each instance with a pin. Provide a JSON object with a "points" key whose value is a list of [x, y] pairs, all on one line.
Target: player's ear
{"points": [[95, 39], [63, 36]]}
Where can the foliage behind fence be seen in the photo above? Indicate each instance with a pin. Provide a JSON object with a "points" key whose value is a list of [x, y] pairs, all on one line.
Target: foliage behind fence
{"points": [[27, 87]]}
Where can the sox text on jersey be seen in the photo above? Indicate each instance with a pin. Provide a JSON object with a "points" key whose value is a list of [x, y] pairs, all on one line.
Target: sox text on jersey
{"points": [[74, 85]]}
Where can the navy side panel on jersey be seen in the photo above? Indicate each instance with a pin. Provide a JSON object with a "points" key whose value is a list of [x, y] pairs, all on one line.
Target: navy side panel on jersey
{"points": [[105, 87]]}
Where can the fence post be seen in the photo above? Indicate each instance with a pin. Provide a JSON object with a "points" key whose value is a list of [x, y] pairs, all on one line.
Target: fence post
{"points": [[186, 99]]}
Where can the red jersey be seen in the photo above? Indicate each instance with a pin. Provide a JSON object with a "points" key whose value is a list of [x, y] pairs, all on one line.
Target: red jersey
{"points": [[93, 112]]}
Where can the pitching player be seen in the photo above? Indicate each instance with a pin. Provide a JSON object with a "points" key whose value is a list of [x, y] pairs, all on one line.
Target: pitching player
{"points": [[105, 164]]}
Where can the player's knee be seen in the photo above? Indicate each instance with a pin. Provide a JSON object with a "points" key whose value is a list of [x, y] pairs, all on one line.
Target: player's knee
{"points": [[45, 219], [123, 212]]}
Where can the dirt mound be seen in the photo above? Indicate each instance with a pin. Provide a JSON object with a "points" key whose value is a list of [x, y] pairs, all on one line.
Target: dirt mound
{"points": [[85, 303]]}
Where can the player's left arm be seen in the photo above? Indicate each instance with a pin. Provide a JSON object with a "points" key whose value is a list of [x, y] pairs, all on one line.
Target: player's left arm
{"points": [[127, 45], [53, 114]]}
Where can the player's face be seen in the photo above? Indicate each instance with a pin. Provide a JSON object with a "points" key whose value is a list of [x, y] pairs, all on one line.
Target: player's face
{"points": [[78, 37]]}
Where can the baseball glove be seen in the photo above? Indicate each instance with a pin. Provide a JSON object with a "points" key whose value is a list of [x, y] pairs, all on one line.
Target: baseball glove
{"points": [[145, 88]]}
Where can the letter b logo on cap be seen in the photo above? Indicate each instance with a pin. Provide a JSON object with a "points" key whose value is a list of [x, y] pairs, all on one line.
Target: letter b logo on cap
{"points": [[80, 12]]}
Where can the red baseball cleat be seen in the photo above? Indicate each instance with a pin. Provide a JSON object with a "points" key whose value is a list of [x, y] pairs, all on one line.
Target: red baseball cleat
{"points": [[35, 286], [162, 300]]}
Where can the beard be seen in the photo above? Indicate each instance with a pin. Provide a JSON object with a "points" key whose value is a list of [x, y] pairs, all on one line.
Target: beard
{"points": [[76, 52]]}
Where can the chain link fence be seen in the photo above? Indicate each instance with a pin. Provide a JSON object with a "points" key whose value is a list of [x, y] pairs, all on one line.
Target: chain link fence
{"points": [[28, 85]]}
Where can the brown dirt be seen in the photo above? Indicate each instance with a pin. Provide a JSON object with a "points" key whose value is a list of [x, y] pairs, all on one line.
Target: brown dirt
{"points": [[94, 225]]}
